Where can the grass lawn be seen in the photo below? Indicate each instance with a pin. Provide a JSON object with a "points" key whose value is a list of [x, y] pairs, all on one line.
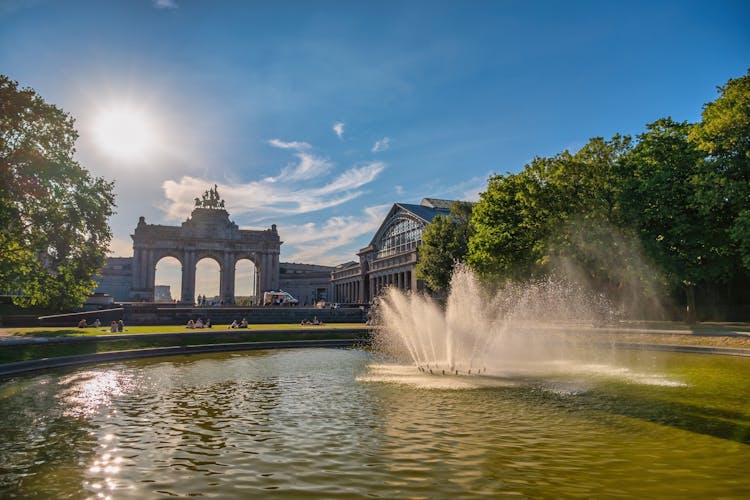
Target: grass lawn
{"points": [[86, 341], [52, 332]]}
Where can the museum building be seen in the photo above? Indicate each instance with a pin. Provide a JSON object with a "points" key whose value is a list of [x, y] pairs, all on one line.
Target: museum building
{"points": [[391, 257]]}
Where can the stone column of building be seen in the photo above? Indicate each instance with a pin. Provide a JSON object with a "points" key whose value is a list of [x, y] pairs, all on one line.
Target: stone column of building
{"points": [[150, 273], [227, 278], [188, 277], [275, 271], [263, 273], [138, 279], [258, 299]]}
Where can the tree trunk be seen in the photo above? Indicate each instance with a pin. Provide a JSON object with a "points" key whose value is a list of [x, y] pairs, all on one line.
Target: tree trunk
{"points": [[690, 316]]}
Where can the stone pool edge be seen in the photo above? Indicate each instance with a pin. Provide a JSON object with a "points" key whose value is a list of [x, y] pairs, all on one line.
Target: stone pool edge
{"points": [[17, 367]]}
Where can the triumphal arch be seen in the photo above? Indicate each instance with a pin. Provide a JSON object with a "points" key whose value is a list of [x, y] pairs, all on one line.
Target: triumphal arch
{"points": [[208, 232]]}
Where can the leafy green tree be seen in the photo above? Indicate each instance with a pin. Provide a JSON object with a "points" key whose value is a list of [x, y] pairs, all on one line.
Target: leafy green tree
{"points": [[53, 215], [724, 134], [525, 221], [444, 243], [507, 225], [683, 233]]}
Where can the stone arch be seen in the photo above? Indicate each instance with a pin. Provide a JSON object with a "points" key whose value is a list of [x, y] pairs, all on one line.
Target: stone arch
{"points": [[208, 277], [245, 279], [208, 232], [158, 258]]}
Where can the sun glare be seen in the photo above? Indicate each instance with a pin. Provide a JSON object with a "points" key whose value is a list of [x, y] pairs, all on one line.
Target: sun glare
{"points": [[124, 132]]}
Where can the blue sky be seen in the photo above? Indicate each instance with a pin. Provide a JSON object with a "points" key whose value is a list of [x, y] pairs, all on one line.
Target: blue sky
{"points": [[318, 115]]}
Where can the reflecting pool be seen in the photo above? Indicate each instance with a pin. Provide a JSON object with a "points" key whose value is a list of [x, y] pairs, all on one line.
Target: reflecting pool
{"points": [[334, 423]]}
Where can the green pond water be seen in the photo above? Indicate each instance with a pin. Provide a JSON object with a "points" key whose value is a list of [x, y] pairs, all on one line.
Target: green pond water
{"points": [[327, 423]]}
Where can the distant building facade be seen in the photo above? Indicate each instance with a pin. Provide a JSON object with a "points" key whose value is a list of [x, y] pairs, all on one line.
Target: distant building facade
{"points": [[116, 278], [391, 256], [308, 283], [162, 293]]}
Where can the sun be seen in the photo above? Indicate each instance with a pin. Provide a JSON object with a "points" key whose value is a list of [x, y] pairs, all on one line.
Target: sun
{"points": [[125, 132]]}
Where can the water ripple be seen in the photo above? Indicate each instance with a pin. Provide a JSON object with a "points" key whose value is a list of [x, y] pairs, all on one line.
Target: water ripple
{"points": [[330, 423]]}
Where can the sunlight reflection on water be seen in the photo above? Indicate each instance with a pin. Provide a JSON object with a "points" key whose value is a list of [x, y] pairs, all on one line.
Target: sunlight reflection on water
{"points": [[341, 423]]}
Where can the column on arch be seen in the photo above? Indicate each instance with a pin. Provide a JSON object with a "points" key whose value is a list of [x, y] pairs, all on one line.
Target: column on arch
{"points": [[188, 277], [275, 269], [258, 295], [263, 273], [139, 269], [227, 277]]}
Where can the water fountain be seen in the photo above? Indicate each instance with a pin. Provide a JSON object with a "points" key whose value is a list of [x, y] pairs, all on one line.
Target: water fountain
{"points": [[484, 332]]}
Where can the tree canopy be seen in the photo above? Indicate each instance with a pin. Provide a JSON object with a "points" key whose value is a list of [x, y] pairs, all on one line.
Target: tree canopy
{"points": [[671, 207], [444, 243], [54, 232]]}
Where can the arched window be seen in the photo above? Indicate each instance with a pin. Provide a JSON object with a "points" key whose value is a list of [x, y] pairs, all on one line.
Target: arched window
{"points": [[403, 235]]}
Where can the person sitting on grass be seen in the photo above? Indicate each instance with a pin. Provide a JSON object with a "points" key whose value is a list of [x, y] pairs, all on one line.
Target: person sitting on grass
{"points": [[199, 323], [316, 321], [113, 327], [208, 322], [190, 324], [82, 324], [97, 323], [304, 322], [243, 323], [120, 326], [234, 325]]}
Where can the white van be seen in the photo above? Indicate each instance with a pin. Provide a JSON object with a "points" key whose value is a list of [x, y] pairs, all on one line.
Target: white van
{"points": [[278, 298]]}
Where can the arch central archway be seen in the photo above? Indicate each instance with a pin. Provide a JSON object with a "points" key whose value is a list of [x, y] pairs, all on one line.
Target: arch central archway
{"points": [[208, 232], [244, 282]]}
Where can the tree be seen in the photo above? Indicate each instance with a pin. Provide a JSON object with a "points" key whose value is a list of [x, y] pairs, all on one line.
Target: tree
{"points": [[680, 229], [525, 221], [724, 134], [53, 214], [444, 243], [507, 225]]}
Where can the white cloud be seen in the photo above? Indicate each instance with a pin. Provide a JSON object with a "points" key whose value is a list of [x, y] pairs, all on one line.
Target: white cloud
{"points": [[165, 4], [381, 145], [281, 195], [296, 145], [352, 178], [308, 167], [327, 243], [338, 128], [399, 190]]}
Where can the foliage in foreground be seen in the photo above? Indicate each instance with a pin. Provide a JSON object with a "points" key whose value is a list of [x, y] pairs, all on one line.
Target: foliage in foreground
{"points": [[53, 214]]}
